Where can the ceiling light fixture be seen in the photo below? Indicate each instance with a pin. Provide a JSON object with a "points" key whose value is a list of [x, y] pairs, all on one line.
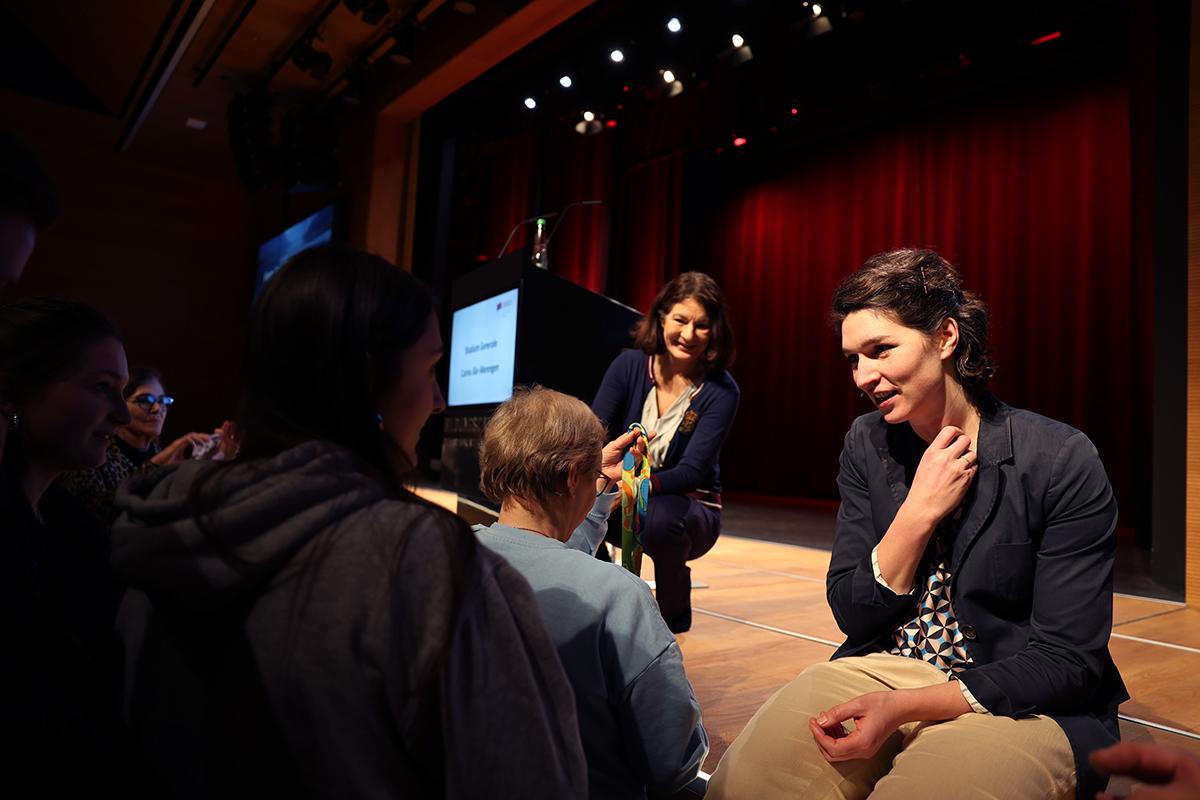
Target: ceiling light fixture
{"points": [[315, 62]]}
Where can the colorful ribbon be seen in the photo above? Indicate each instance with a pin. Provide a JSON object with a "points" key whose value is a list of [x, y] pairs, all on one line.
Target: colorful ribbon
{"points": [[635, 499]]}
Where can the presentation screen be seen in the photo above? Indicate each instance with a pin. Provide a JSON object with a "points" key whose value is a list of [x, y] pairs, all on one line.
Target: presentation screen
{"points": [[483, 351], [308, 232]]}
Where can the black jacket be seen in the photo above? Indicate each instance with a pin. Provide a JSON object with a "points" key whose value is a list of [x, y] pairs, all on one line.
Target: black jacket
{"points": [[1031, 569]]}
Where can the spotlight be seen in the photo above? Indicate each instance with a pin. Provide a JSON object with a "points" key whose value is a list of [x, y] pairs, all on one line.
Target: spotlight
{"points": [[315, 62], [565, 81], [668, 76], [818, 26], [617, 56], [740, 53], [738, 141], [530, 103], [589, 124], [674, 25], [816, 9]]}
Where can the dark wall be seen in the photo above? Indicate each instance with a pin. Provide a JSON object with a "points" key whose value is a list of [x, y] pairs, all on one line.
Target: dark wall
{"points": [[162, 239]]}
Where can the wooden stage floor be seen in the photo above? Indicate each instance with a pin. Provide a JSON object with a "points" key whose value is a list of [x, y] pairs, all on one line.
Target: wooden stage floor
{"points": [[763, 618]]}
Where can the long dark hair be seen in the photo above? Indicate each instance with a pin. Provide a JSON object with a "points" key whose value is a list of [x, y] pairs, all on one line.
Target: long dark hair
{"points": [[42, 340], [921, 290], [648, 334], [328, 333]]}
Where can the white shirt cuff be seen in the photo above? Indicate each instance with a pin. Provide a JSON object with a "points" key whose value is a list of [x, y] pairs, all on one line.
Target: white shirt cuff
{"points": [[879, 575], [976, 706]]}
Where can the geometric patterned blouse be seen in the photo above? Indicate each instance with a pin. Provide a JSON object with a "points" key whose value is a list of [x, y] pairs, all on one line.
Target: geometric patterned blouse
{"points": [[933, 634]]}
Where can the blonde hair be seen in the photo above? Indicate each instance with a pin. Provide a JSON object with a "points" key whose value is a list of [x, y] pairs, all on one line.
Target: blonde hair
{"points": [[533, 442]]}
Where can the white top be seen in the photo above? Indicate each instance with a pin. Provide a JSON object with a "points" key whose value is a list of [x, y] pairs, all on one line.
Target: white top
{"points": [[666, 425]]}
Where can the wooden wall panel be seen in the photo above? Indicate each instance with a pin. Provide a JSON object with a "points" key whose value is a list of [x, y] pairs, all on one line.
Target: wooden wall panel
{"points": [[389, 217], [1193, 422], [165, 247]]}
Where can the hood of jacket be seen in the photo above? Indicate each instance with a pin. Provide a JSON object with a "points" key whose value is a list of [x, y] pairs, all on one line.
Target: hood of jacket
{"points": [[206, 549]]}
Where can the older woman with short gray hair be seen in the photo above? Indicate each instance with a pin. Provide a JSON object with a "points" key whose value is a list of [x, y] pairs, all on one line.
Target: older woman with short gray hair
{"points": [[544, 461]]}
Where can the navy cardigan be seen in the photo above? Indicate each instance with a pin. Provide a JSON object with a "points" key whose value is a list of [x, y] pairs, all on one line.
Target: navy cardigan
{"points": [[1031, 567], [692, 462]]}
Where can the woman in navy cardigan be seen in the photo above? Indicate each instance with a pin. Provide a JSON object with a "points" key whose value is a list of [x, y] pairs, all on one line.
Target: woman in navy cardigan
{"points": [[971, 574], [676, 385]]}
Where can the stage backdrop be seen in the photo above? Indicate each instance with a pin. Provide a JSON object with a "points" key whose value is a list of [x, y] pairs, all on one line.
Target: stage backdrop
{"points": [[1028, 192], [1030, 196]]}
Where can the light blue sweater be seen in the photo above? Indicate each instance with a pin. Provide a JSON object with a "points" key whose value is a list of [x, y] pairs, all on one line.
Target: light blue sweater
{"points": [[638, 716]]}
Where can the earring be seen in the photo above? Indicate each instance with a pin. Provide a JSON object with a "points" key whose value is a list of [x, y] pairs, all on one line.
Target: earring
{"points": [[14, 422]]}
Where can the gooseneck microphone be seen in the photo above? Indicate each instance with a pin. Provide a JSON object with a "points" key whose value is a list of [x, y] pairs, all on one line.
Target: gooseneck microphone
{"points": [[540, 247]]}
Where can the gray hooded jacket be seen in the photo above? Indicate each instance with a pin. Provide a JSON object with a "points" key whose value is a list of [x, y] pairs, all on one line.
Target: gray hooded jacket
{"points": [[316, 638]]}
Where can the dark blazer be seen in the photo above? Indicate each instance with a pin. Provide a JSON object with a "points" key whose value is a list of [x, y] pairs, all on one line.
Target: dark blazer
{"points": [[693, 458], [1031, 569]]}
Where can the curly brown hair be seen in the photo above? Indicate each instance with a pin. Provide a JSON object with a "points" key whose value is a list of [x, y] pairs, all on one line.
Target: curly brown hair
{"points": [[921, 290]]}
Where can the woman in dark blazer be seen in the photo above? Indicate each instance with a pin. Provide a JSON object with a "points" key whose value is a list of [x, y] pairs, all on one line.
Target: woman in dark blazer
{"points": [[971, 574], [677, 385]]}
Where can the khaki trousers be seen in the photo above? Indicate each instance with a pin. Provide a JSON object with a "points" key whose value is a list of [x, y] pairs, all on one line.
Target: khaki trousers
{"points": [[972, 756]]}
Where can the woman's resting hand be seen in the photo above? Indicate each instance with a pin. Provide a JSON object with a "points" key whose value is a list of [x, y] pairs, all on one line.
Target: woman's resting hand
{"points": [[877, 715]]}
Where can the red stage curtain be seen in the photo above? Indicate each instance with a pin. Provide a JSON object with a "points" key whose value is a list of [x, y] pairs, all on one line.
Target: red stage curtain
{"points": [[648, 230], [511, 170], [580, 168], [1029, 195]]}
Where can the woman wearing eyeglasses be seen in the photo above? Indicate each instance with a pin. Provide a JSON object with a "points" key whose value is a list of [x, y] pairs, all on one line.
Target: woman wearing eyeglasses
{"points": [[134, 448], [148, 405]]}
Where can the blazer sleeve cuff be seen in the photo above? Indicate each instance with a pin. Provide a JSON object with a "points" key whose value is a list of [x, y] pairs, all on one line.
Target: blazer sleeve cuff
{"points": [[879, 575], [975, 705]]}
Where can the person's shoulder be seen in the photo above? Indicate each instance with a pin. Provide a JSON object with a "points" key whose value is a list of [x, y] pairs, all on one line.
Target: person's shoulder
{"points": [[1033, 430], [630, 359], [724, 382], [602, 577], [411, 528]]}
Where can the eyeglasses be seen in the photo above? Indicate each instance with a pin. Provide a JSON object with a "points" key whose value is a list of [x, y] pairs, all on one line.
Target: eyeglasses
{"points": [[148, 400]]}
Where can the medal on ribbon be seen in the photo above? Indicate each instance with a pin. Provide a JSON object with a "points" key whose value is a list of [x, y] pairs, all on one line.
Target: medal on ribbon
{"points": [[635, 499]]}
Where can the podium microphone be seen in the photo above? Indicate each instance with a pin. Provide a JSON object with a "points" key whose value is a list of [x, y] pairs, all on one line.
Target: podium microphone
{"points": [[540, 243]]}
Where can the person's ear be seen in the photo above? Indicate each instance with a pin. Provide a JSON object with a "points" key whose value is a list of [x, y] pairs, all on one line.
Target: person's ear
{"points": [[575, 477], [947, 339]]}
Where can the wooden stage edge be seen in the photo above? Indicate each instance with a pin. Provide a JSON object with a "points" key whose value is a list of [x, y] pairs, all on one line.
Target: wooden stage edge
{"points": [[760, 618]]}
